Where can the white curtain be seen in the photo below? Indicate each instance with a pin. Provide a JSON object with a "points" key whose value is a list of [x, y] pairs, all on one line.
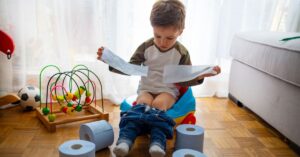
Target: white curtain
{"points": [[66, 33]]}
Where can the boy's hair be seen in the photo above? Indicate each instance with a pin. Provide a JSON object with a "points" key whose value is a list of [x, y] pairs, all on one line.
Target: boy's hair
{"points": [[168, 13]]}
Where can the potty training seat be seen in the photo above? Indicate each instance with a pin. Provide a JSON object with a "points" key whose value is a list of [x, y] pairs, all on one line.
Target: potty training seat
{"points": [[182, 111]]}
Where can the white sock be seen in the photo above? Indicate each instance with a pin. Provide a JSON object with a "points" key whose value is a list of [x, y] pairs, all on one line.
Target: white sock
{"points": [[156, 151], [121, 149]]}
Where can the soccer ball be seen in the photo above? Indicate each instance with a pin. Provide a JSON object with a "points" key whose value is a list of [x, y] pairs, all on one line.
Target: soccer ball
{"points": [[30, 97]]}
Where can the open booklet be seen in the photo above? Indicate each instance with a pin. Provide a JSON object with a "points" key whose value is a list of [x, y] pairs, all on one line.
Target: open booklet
{"points": [[182, 73], [118, 63], [172, 73]]}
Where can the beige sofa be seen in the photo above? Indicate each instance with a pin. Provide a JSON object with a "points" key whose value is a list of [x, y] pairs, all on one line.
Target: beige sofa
{"points": [[265, 78]]}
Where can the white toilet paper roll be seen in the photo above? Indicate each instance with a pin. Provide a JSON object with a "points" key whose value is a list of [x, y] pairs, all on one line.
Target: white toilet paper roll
{"points": [[187, 153], [189, 136], [100, 133], [77, 148]]}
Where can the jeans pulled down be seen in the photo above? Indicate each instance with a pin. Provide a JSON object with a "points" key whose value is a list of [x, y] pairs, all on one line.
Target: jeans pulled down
{"points": [[140, 120]]}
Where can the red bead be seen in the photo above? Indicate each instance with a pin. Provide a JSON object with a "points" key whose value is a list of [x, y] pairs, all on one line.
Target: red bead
{"points": [[88, 100]]}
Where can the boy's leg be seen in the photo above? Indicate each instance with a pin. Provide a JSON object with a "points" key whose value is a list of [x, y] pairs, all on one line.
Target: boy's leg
{"points": [[157, 142], [161, 128], [131, 125], [129, 130], [164, 101]]}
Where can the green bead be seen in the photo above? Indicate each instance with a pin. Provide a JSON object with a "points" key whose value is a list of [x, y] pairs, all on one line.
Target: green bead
{"points": [[60, 98], [46, 111], [82, 87], [78, 108], [77, 94], [88, 93], [51, 117], [70, 104]]}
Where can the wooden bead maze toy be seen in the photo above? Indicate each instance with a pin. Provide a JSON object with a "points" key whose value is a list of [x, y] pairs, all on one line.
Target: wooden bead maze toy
{"points": [[62, 105]]}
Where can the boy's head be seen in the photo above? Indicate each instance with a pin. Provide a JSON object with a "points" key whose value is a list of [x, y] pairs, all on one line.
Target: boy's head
{"points": [[167, 19], [168, 13]]}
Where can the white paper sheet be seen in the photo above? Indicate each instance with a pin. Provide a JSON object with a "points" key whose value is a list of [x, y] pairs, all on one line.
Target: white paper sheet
{"points": [[118, 63], [182, 73]]}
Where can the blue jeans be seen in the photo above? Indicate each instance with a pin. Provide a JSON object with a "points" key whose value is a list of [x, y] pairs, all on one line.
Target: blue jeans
{"points": [[138, 121]]}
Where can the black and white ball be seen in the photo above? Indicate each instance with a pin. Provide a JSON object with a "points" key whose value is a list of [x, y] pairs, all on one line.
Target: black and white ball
{"points": [[30, 97]]}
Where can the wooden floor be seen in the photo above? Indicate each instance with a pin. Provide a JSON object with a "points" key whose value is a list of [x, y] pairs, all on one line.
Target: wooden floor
{"points": [[230, 131]]}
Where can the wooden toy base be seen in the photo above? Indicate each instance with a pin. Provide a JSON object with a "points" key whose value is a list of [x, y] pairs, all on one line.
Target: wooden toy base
{"points": [[63, 118]]}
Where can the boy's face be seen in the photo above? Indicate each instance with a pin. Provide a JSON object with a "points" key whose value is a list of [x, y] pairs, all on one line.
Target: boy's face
{"points": [[165, 37]]}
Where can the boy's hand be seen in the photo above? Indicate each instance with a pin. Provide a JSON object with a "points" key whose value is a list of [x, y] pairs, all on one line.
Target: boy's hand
{"points": [[216, 69], [99, 53]]}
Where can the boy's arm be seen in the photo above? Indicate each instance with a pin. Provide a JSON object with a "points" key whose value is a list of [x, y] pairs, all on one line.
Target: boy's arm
{"points": [[193, 82], [138, 57]]}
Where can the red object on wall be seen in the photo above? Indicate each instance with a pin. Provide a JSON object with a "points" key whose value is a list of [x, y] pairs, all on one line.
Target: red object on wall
{"points": [[6, 44]]}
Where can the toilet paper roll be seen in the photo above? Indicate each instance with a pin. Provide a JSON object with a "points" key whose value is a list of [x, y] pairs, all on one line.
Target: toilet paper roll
{"points": [[189, 136], [100, 133], [77, 148], [187, 153]]}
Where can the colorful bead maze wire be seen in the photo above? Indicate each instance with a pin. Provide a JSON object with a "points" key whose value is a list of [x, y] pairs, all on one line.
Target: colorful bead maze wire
{"points": [[60, 89]]}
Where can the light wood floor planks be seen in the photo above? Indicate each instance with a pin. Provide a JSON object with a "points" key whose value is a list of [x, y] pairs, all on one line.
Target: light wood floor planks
{"points": [[230, 131]]}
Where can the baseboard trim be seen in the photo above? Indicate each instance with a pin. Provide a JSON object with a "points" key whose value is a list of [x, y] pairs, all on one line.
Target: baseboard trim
{"points": [[235, 100]]}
